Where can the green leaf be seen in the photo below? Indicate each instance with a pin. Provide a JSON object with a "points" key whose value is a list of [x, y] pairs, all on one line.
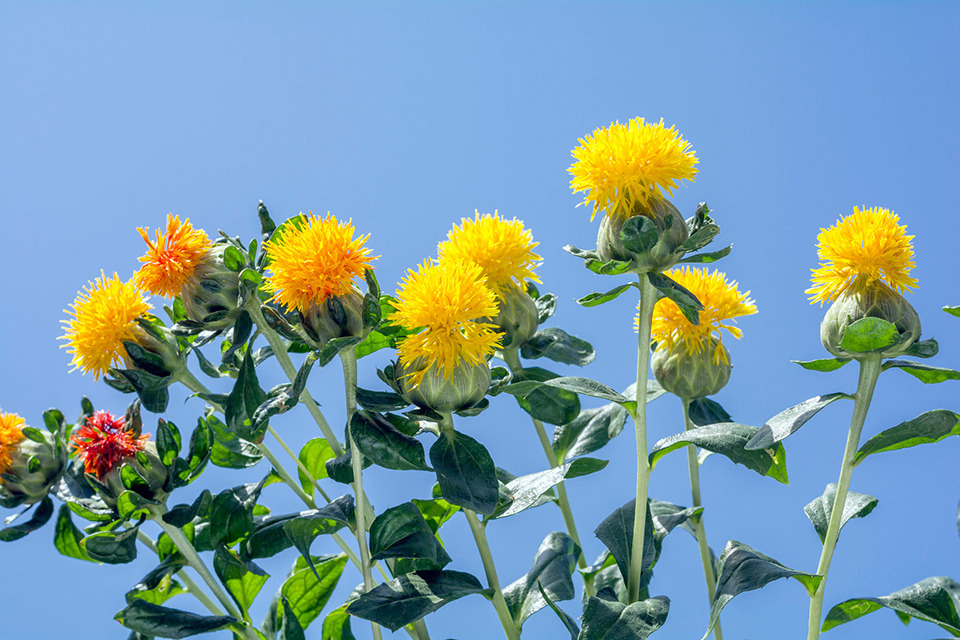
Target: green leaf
{"points": [[290, 628], [221, 456], [954, 311], [168, 442], [585, 466], [591, 430], [307, 591], [314, 456], [158, 586], [929, 427], [411, 596], [436, 511], [869, 334], [686, 301], [309, 525], [527, 490], [335, 346], [237, 337], [565, 618], [231, 514], [557, 345], [67, 538], [288, 398], [340, 469], [701, 236], [381, 400], [857, 505], [923, 372], [242, 579], [466, 472], [931, 600], [131, 505], [152, 390], [41, 516], [336, 626], [548, 404], [742, 568], [385, 445], [546, 307], [373, 343], [707, 258], [704, 411], [789, 420], [639, 234], [243, 402], [233, 259], [587, 387], [605, 618], [553, 567], [402, 532], [153, 620], [923, 349], [201, 442], [111, 547], [728, 439], [826, 364], [595, 299]]}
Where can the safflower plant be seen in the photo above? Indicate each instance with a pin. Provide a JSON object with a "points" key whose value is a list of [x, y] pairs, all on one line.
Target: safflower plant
{"points": [[464, 326]]}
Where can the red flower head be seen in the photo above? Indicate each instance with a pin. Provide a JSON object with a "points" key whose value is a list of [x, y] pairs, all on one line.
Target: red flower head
{"points": [[104, 441]]}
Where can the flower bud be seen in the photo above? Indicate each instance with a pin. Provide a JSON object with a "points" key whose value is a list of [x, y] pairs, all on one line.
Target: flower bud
{"points": [[518, 317], [150, 469], [670, 225], [336, 317], [869, 299], [464, 387], [689, 374], [210, 293], [34, 463], [155, 350]]}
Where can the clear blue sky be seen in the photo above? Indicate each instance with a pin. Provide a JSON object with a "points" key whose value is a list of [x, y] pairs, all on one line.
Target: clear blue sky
{"points": [[406, 117]]}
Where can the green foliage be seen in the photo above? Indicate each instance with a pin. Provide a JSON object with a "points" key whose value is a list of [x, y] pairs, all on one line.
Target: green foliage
{"points": [[935, 600], [728, 439], [152, 620], [857, 505], [466, 472], [550, 578], [932, 426]]}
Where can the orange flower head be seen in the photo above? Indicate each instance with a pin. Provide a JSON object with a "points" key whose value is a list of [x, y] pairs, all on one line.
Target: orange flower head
{"points": [[312, 259], [171, 259], [104, 441], [10, 437]]}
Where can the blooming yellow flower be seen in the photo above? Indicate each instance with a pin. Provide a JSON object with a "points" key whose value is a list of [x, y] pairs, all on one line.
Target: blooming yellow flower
{"points": [[721, 301], [866, 246], [313, 259], [104, 316], [10, 437], [171, 259], [624, 164], [502, 248], [444, 298]]}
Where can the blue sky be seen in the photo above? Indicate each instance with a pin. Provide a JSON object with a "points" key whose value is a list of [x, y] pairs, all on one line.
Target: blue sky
{"points": [[407, 117]]}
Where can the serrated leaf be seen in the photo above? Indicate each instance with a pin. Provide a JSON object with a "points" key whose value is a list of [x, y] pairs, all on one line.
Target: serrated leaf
{"points": [[409, 597], [704, 411], [929, 427], [789, 420], [526, 490], [728, 439], [857, 505], [742, 568]]}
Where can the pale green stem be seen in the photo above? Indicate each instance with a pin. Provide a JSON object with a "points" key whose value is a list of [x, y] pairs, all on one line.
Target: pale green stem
{"points": [[480, 536], [870, 368], [349, 359], [648, 298], [693, 463], [193, 559], [184, 577], [296, 458], [280, 351], [512, 359]]}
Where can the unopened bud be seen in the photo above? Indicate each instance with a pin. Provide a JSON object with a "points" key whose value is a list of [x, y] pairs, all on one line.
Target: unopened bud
{"points": [[672, 232], [35, 465], [447, 391], [869, 300], [150, 478], [210, 295], [336, 317], [689, 374], [518, 317]]}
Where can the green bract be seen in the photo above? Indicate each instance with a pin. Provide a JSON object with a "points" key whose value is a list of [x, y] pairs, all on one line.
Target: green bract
{"points": [[874, 300], [692, 375]]}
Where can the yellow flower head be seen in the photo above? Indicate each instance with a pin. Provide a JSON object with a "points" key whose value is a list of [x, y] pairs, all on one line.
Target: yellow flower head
{"points": [[104, 316], [867, 246], [502, 248], [721, 301], [313, 259], [171, 258], [10, 437], [624, 164], [444, 298]]}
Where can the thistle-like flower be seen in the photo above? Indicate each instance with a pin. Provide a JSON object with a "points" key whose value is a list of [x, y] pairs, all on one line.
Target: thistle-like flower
{"points": [[625, 165], [690, 360], [446, 301], [104, 317], [172, 258], [503, 250], [865, 263], [627, 170], [10, 437]]}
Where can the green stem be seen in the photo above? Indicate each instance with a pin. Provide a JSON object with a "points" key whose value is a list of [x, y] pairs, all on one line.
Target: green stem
{"points": [[870, 368], [193, 559], [648, 298], [184, 577], [349, 359], [512, 358], [280, 351], [302, 467], [480, 536], [693, 463]]}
